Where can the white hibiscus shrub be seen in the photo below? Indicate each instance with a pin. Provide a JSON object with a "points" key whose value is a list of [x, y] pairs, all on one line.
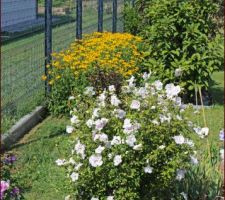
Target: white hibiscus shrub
{"points": [[132, 146]]}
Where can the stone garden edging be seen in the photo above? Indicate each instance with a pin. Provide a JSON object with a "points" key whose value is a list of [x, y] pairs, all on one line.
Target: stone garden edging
{"points": [[23, 126]]}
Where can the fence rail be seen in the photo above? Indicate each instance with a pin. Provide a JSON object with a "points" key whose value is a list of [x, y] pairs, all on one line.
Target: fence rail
{"points": [[32, 33]]}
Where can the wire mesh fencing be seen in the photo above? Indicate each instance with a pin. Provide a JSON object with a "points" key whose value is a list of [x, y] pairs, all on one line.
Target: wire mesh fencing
{"points": [[23, 52], [22, 59]]}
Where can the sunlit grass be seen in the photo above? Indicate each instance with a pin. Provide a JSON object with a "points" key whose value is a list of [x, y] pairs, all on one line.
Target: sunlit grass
{"points": [[36, 171]]}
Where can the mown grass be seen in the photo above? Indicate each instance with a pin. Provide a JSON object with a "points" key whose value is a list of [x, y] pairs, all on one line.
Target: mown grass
{"points": [[215, 114], [37, 172], [215, 122]]}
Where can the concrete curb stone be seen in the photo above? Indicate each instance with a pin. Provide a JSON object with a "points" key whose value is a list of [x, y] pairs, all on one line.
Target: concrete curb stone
{"points": [[23, 126]]}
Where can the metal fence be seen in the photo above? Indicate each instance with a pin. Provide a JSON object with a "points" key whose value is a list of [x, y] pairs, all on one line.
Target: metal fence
{"points": [[30, 31]]}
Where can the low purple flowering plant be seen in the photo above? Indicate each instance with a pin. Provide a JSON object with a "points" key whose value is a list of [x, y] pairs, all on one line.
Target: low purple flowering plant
{"points": [[9, 187]]}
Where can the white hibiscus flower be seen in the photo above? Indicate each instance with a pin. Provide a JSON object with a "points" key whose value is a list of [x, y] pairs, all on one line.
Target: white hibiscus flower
{"points": [[184, 195], [95, 113], [178, 72], [161, 147], [117, 160], [172, 90], [60, 162], [131, 82], [80, 149], [130, 140], [119, 113], [137, 147], [179, 139], [116, 140], [99, 149], [90, 123], [100, 123], [180, 174], [194, 160], [135, 105], [146, 76], [74, 176], [96, 160], [71, 98], [94, 198], [78, 166], [74, 119], [114, 100], [202, 132], [148, 169], [68, 197], [112, 88], [158, 85], [101, 137], [69, 129], [110, 198], [89, 91]]}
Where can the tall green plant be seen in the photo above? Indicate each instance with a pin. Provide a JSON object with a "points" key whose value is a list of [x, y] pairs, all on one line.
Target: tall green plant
{"points": [[183, 44]]}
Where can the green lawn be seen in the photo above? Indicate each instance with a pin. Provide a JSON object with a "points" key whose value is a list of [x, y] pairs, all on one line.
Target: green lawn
{"points": [[37, 172], [23, 64], [214, 114]]}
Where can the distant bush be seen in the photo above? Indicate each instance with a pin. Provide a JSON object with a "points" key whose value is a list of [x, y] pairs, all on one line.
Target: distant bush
{"points": [[130, 19], [57, 3], [183, 40]]}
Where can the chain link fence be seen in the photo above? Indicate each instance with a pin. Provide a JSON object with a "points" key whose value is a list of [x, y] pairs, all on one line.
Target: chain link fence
{"points": [[23, 52]]}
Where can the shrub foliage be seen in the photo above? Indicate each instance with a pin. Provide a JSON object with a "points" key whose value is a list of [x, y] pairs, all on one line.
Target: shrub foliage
{"points": [[184, 46], [135, 145]]}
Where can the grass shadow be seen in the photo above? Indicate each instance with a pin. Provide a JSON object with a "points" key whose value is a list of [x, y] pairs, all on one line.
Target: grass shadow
{"points": [[57, 133], [217, 93], [216, 88], [217, 96]]}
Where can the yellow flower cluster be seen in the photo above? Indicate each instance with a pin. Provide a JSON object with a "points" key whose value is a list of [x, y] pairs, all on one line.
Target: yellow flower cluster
{"points": [[110, 51]]}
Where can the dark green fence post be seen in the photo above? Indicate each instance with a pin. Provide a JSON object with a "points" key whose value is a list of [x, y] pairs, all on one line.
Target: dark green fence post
{"points": [[100, 15], [48, 42], [114, 24], [36, 9], [79, 20]]}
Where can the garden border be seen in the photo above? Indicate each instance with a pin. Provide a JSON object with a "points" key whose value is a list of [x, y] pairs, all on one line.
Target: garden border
{"points": [[22, 127]]}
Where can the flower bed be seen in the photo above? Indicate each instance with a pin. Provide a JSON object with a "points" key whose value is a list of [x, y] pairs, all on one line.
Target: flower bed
{"points": [[100, 58]]}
